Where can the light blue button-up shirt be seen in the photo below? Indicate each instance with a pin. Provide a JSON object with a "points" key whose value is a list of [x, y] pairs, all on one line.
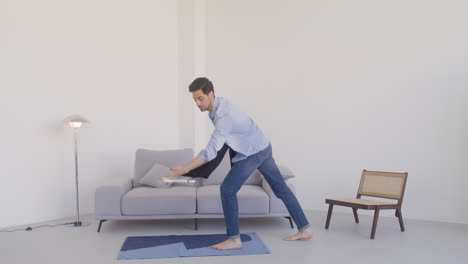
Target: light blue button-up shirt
{"points": [[234, 128]]}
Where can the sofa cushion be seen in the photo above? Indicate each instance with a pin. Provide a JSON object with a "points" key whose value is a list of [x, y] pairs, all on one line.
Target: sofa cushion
{"points": [[145, 159], [157, 201], [218, 175], [155, 176], [254, 179], [252, 200]]}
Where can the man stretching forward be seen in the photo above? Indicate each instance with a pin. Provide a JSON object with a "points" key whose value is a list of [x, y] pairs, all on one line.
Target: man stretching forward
{"points": [[249, 150]]}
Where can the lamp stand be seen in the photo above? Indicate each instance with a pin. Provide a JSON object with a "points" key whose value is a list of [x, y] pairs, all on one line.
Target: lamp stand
{"points": [[77, 222]]}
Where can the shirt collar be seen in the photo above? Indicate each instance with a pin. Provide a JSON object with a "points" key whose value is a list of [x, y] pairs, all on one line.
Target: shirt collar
{"points": [[215, 108]]}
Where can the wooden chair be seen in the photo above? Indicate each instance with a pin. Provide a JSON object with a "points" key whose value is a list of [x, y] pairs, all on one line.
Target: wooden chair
{"points": [[389, 185]]}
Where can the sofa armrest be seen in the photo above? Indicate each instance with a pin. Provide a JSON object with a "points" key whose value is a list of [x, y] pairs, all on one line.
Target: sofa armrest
{"points": [[108, 197], [276, 205], [286, 172], [267, 188]]}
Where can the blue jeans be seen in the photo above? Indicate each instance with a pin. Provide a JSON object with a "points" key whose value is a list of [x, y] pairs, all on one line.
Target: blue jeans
{"points": [[240, 171]]}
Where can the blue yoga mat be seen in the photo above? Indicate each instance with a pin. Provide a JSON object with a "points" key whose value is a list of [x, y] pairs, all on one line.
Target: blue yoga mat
{"points": [[153, 247]]}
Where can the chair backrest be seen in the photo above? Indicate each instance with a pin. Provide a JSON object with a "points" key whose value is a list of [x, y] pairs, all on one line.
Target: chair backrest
{"points": [[390, 185]]}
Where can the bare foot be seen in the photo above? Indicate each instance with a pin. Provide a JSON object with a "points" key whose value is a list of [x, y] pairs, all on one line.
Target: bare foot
{"points": [[231, 243], [303, 235]]}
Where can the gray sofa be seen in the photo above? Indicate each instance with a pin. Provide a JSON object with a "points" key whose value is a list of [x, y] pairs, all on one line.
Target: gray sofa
{"points": [[128, 199]]}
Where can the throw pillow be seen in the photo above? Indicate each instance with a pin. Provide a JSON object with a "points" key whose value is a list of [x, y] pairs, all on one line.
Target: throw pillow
{"points": [[155, 175], [286, 172]]}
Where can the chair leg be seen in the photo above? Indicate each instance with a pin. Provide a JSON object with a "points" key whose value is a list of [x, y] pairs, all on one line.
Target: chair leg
{"points": [[374, 225], [290, 221], [195, 222], [400, 219], [356, 218], [100, 223], [330, 210]]}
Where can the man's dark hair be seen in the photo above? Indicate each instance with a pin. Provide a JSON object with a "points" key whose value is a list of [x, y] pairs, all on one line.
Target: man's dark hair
{"points": [[201, 83]]}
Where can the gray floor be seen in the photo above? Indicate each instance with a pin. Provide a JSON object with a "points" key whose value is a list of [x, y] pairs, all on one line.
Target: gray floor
{"points": [[344, 242]]}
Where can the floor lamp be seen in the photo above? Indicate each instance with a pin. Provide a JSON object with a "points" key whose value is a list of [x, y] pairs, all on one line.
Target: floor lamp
{"points": [[75, 122]]}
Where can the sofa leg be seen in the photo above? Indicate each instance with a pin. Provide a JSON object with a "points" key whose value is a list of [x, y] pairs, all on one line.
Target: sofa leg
{"points": [[100, 223], [290, 221], [196, 223]]}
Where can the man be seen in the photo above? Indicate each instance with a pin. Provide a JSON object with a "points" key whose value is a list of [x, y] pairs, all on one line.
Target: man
{"points": [[249, 150]]}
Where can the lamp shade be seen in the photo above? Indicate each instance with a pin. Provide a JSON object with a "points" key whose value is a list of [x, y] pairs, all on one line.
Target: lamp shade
{"points": [[75, 121]]}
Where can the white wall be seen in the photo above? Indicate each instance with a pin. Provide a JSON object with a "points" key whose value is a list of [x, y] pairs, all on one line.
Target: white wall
{"points": [[186, 58], [340, 86], [114, 62], [195, 128]]}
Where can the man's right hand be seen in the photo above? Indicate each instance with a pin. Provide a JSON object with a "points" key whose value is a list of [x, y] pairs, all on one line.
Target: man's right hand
{"points": [[177, 171], [181, 170]]}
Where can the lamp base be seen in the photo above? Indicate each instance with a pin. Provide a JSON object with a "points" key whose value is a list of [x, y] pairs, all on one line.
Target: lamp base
{"points": [[76, 224]]}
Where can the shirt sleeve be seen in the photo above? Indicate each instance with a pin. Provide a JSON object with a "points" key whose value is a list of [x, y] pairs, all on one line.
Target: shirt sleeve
{"points": [[217, 140]]}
